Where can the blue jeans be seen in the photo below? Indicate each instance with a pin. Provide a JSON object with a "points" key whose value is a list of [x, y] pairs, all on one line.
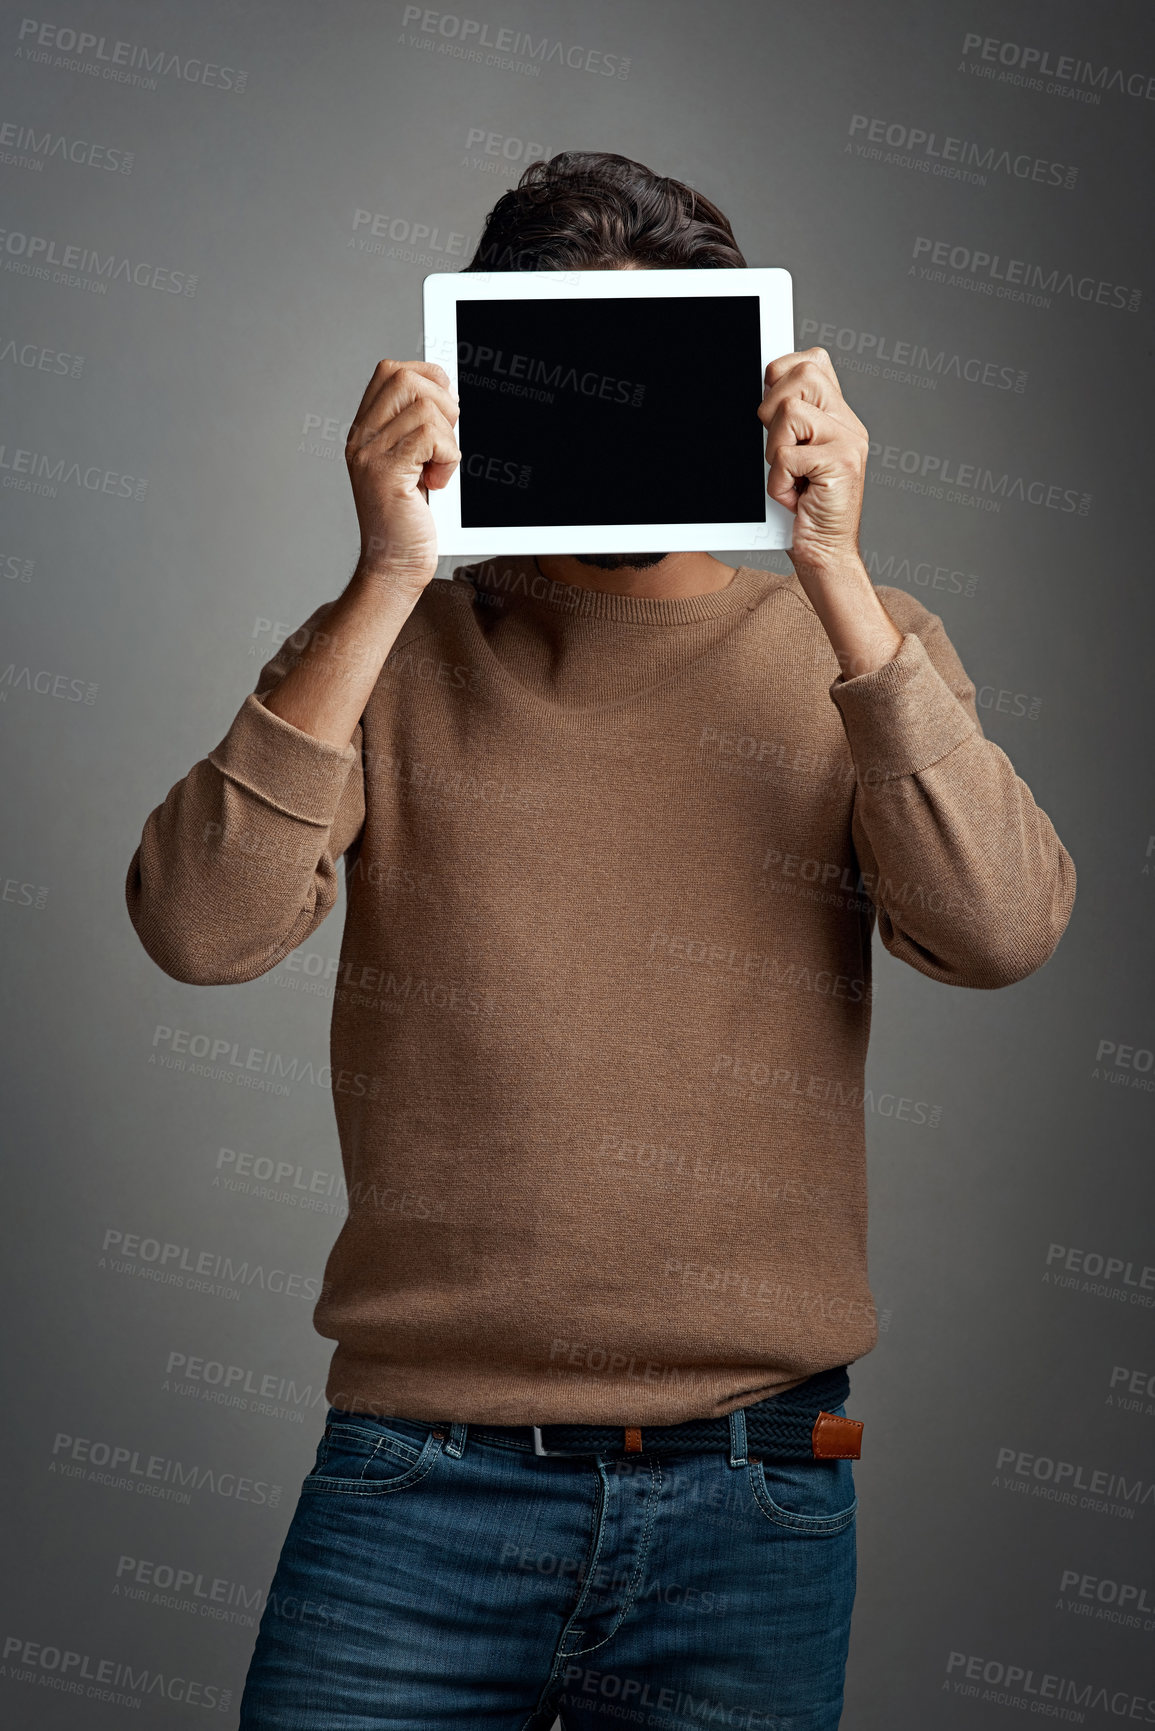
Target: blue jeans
{"points": [[432, 1579]]}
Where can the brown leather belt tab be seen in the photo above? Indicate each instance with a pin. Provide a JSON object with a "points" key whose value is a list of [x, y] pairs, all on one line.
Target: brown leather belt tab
{"points": [[836, 1439], [633, 1440]]}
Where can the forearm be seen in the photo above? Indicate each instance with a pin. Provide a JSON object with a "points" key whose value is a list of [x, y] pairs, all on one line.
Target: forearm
{"points": [[970, 880], [325, 692], [862, 634], [972, 885]]}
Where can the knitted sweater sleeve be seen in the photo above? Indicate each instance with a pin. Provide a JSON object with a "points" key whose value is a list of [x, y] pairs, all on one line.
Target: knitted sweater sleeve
{"points": [[238, 865], [971, 884]]}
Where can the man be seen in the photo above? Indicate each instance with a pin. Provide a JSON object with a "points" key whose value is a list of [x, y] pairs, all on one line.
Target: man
{"points": [[616, 831]]}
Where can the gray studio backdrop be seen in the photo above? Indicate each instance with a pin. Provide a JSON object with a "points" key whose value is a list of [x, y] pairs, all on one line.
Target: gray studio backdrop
{"points": [[217, 218]]}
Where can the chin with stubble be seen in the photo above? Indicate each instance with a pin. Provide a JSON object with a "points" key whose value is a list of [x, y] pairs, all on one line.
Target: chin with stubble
{"points": [[619, 561]]}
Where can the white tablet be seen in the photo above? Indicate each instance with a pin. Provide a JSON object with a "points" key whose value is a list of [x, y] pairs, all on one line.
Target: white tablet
{"points": [[608, 411]]}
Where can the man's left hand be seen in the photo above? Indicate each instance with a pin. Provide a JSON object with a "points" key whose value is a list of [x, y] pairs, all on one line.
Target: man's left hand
{"points": [[816, 447]]}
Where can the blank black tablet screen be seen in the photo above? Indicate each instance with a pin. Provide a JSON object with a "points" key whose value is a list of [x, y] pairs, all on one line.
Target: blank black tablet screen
{"points": [[610, 411]]}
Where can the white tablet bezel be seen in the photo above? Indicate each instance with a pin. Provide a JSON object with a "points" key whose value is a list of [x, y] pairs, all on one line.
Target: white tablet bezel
{"points": [[443, 290]]}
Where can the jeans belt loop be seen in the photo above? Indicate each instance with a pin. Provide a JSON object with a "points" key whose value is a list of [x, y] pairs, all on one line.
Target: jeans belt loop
{"points": [[738, 1438], [456, 1443]]}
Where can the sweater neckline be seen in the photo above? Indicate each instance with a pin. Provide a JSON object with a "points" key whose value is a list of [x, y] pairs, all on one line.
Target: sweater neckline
{"points": [[746, 590], [521, 577]]}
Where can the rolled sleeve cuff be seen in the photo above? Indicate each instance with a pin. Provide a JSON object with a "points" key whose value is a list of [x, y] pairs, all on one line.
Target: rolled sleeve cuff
{"points": [[289, 769], [902, 717]]}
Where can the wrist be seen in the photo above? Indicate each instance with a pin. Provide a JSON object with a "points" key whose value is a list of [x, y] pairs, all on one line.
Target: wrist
{"points": [[389, 586], [829, 568]]}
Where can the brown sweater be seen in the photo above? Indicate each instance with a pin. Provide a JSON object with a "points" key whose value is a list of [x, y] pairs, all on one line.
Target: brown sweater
{"points": [[612, 869]]}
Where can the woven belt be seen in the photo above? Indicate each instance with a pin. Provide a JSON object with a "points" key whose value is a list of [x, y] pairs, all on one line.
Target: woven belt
{"points": [[794, 1426]]}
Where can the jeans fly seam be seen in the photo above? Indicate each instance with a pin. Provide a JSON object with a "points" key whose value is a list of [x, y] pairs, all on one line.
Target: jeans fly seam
{"points": [[599, 1527], [643, 1553]]}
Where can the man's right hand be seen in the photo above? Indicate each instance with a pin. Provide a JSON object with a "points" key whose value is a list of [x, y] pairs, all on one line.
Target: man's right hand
{"points": [[400, 445]]}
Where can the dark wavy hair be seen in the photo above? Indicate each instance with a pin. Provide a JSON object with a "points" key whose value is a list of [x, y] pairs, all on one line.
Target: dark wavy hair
{"points": [[592, 210]]}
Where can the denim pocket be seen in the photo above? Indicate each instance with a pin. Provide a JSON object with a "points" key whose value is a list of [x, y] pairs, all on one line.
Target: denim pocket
{"points": [[815, 1497], [366, 1457], [809, 1498]]}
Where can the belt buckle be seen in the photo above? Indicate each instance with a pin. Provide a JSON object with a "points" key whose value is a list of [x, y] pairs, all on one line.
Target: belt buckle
{"points": [[633, 1443]]}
